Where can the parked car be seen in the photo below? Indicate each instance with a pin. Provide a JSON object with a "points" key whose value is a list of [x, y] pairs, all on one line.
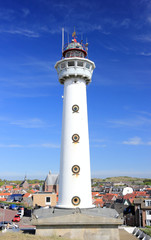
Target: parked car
{"points": [[3, 205], [13, 207], [16, 218], [20, 213]]}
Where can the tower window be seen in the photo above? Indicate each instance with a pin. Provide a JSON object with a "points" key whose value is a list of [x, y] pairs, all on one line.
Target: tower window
{"points": [[75, 201], [88, 65], [70, 64], [80, 64], [82, 55], [68, 55], [75, 169], [62, 65], [75, 138], [75, 108], [77, 53]]}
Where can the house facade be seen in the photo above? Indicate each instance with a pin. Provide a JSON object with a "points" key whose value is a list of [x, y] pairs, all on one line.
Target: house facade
{"points": [[44, 199], [142, 212]]}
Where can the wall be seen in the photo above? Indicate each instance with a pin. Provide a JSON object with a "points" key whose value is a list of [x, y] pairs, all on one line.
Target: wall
{"points": [[40, 199], [79, 232]]}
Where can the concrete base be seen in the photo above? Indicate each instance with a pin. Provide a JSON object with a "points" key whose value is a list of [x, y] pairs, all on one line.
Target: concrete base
{"points": [[86, 224]]}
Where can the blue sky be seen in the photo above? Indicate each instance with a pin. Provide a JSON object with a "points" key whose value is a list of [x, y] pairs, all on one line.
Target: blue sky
{"points": [[119, 97]]}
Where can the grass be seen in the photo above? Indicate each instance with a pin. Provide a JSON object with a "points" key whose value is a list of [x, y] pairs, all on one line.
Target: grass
{"points": [[22, 236], [120, 179], [147, 230]]}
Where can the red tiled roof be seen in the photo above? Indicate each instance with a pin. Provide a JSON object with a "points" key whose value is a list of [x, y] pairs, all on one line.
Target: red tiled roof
{"points": [[32, 191], [4, 194], [8, 186], [3, 199], [98, 202], [34, 184], [27, 195], [16, 189], [95, 193]]}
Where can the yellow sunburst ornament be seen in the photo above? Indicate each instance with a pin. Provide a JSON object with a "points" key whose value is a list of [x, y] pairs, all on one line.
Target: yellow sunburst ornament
{"points": [[74, 33]]}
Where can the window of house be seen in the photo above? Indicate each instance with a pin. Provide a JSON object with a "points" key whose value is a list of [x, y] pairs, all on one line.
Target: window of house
{"points": [[80, 64], [148, 212], [48, 200], [147, 203], [70, 64], [148, 222]]}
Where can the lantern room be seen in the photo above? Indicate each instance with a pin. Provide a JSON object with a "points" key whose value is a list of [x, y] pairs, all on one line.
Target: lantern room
{"points": [[75, 49]]}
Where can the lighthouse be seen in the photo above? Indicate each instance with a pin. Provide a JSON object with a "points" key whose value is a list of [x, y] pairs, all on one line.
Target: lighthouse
{"points": [[75, 217], [74, 72]]}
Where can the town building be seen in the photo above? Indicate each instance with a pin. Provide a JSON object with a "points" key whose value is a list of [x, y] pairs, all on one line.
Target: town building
{"points": [[142, 212], [24, 184], [51, 183], [44, 199]]}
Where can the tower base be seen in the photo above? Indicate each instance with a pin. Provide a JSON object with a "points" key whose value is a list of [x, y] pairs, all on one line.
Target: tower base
{"points": [[81, 224], [65, 207]]}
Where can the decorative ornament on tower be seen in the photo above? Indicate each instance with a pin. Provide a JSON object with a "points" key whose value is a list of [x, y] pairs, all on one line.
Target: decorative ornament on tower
{"points": [[75, 72]]}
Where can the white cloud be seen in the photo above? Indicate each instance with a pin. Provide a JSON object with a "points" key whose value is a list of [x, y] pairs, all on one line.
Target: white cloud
{"points": [[125, 23], [19, 31], [7, 14], [133, 141], [29, 123], [98, 140], [135, 122], [50, 145], [144, 38], [99, 145], [42, 145], [149, 19], [10, 146], [26, 12], [147, 54]]}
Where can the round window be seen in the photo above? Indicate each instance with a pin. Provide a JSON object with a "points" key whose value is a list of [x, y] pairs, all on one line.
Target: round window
{"points": [[75, 201], [75, 138], [75, 108], [75, 169]]}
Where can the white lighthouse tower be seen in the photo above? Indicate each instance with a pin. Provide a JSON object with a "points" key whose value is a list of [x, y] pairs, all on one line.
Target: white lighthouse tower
{"points": [[75, 72]]}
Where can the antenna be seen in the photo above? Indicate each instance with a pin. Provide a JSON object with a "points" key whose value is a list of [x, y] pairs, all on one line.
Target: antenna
{"points": [[86, 46], [68, 37], [81, 37], [62, 39]]}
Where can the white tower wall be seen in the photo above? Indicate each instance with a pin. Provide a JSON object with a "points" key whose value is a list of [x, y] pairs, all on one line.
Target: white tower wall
{"points": [[71, 185]]}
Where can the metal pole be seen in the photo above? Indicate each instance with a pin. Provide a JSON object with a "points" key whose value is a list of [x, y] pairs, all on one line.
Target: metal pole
{"points": [[62, 39]]}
